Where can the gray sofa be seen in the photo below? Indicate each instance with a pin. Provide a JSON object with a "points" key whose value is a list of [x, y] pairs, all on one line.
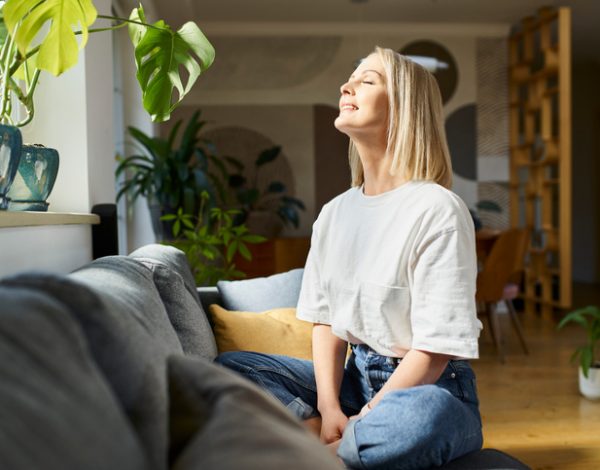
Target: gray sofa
{"points": [[110, 367]]}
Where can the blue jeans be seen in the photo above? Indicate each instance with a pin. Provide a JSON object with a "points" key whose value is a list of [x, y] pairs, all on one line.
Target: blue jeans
{"points": [[414, 428]]}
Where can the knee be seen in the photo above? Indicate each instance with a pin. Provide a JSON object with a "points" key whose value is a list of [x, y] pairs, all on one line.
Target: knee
{"points": [[426, 395], [425, 409]]}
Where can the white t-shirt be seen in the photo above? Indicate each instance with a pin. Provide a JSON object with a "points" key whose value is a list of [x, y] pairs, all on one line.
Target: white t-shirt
{"points": [[395, 271]]}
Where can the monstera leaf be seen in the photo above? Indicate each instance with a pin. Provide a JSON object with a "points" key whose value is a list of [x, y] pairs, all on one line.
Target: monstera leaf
{"points": [[160, 52], [58, 48]]}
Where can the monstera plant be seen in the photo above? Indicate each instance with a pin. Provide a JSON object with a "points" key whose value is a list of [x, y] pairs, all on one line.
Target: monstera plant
{"points": [[41, 35]]}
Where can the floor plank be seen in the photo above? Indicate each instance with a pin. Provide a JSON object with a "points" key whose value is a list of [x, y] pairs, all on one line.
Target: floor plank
{"points": [[531, 406]]}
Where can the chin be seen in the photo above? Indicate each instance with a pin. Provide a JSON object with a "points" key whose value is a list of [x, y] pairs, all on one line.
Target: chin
{"points": [[338, 123]]}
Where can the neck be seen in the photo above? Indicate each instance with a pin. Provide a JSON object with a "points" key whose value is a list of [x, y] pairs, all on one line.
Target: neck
{"points": [[376, 168]]}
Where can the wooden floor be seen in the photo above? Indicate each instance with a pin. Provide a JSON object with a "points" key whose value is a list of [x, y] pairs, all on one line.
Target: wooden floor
{"points": [[531, 406]]}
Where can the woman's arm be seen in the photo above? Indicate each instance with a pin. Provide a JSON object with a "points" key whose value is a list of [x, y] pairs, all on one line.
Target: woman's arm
{"points": [[329, 353], [416, 368]]}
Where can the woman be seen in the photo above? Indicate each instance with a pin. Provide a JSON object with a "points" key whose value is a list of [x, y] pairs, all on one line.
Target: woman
{"points": [[391, 271]]}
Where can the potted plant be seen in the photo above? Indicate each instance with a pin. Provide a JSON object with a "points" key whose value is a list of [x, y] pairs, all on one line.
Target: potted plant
{"points": [[589, 360], [170, 176], [40, 35], [211, 241], [264, 210]]}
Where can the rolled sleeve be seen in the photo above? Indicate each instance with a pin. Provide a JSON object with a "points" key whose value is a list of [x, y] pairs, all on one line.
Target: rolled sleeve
{"points": [[312, 303], [443, 310]]}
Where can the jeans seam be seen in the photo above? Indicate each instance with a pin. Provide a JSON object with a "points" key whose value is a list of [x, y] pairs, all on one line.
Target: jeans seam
{"points": [[458, 381], [254, 370]]}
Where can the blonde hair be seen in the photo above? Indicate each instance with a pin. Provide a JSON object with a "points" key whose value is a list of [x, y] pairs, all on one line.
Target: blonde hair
{"points": [[416, 138]]}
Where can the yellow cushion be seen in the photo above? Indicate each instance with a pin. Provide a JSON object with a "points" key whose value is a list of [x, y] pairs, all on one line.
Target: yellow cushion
{"points": [[276, 331]]}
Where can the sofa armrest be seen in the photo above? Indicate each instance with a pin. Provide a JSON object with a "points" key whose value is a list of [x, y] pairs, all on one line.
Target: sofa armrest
{"points": [[209, 296]]}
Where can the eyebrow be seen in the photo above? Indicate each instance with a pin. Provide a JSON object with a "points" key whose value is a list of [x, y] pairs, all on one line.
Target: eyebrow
{"points": [[368, 70]]}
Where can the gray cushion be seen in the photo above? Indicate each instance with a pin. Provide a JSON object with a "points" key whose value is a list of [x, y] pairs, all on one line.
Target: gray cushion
{"points": [[219, 420], [262, 293], [56, 409], [184, 310], [130, 336]]}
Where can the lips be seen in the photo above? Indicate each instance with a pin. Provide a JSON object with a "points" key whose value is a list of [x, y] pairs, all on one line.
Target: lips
{"points": [[348, 107]]}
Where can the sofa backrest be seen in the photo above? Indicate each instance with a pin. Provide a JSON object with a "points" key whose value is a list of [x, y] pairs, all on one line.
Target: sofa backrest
{"points": [[116, 304], [175, 284], [57, 409]]}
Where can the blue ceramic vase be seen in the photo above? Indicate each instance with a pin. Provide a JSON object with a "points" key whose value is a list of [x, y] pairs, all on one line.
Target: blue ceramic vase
{"points": [[34, 180], [10, 154]]}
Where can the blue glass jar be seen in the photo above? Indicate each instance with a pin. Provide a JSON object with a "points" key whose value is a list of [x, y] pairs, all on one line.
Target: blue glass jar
{"points": [[10, 155], [35, 179]]}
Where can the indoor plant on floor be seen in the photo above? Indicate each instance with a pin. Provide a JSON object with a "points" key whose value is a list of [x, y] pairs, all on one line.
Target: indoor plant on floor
{"points": [[159, 52], [589, 359], [265, 210], [169, 176], [211, 241]]}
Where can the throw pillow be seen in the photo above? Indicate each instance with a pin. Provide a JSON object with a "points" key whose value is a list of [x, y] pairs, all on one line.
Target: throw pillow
{"points": [[56, 409], [262, 293], [220, 420], [276, 331]]}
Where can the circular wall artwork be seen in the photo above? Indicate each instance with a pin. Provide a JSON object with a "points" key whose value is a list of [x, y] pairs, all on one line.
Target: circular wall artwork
{"points": [[461, 131], [245, 145], [447, 78]]}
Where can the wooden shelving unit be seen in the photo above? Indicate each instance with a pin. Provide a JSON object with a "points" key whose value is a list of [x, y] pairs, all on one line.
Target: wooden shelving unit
{"points": [[540, 154]]}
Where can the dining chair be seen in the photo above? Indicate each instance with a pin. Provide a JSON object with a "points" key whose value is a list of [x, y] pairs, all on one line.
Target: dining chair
{"points": [[498, 281]]}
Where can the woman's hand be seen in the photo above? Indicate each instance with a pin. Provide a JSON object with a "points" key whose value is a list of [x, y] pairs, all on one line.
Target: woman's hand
{"points": [[333, 424]]}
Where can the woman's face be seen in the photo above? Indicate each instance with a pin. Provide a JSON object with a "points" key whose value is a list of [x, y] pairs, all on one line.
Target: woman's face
{"points": [[364, 101]]}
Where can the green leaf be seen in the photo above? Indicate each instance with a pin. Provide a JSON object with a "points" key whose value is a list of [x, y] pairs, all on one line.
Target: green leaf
{"points": [[168, 217], [136, 31], [254, 239], [587, 359], [244, 251], [176, 227], [159, 54], [173, 133], [231, 249], [267, 155], [58, 48], [3, 30], [152, 146]]}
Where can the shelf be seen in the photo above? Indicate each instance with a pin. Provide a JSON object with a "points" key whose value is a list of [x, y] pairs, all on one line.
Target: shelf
{"points": [[29, 219]]}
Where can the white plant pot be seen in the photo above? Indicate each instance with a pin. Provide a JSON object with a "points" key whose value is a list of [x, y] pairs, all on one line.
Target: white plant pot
{"points": [[590, 386]]}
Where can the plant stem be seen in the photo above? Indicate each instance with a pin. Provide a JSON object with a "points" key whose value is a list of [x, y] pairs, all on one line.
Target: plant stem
{"points": [[127, 20], [28, 102], [5, 91]]}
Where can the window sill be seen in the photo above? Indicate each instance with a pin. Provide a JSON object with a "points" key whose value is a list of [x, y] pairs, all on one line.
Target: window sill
{"points": [[28, 219]]}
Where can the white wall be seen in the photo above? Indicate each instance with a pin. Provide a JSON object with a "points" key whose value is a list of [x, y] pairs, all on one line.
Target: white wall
{"points": [[73, 115], [134, 219]]}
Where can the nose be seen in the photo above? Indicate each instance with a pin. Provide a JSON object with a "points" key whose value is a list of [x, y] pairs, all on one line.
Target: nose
{"points": [[346, 89]]}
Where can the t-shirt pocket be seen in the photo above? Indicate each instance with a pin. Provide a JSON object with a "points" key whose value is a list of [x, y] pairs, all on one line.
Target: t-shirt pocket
{"points": [[386, 313]]}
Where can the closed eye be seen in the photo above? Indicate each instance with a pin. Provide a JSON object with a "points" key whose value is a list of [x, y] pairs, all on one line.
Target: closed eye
{"points": [[368, 82]]}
